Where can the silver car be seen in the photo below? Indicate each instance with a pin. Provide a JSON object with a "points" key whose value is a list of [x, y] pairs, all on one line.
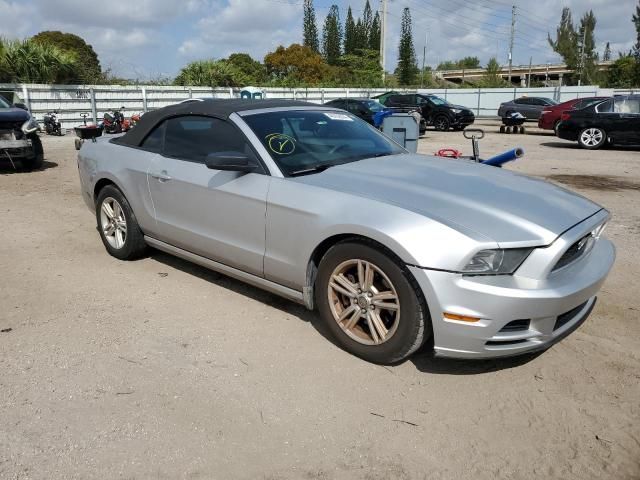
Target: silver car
{"points": [[392, 248]]}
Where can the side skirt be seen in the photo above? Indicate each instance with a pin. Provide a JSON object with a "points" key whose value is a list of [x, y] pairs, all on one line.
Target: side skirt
{"points": [[249, 278]]}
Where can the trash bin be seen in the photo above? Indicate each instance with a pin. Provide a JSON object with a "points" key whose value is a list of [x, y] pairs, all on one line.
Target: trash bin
{"points": [[402, 128], [252, 93]]}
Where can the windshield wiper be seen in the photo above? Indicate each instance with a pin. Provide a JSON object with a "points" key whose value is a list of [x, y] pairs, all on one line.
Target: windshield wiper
{"points": [[316, 169]]}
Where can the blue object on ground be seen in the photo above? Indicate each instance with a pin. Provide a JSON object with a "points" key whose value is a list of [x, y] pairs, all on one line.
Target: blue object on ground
{"points": [[504, 157]]}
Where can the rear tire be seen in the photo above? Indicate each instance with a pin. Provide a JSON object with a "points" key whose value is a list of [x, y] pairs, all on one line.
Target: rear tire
{"points": [[592, 138], [384, 314], [118, 226]]}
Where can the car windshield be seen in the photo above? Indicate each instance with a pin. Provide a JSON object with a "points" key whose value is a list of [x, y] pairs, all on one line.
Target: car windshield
{"points": [[3, 103], [438, 101], [549, 101], [373, 105], [307, 141]]}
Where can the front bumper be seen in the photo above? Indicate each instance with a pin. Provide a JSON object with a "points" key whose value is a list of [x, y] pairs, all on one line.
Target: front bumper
{"points": [[544, 310], [463, 120], [16, 149], [566, 132]]}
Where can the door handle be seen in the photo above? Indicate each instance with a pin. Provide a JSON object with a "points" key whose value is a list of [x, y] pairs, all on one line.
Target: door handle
{"points": [[162, 176]]}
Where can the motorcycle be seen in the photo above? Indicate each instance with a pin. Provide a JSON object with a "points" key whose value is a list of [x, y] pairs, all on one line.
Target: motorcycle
{"points": [[52, 124], [115, 122]]}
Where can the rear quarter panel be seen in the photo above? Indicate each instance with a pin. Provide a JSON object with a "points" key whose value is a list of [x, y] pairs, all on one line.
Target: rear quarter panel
{"points": [[123, 166]]}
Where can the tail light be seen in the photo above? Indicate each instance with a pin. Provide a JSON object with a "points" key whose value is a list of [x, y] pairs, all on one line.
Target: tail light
{"points": [[565, 116]]}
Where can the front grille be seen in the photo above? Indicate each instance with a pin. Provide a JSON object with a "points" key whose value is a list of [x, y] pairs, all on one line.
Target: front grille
{"points": [[516, 325], [574, 252], [11, 125], [568, 316]]}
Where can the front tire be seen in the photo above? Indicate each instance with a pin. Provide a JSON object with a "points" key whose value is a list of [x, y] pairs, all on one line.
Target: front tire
{"points": [[117, 224], [371, 303], [441, 123], [35, 162], [592, 138]]}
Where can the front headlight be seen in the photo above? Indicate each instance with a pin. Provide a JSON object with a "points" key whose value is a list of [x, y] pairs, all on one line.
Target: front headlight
{"points": [[30, 126], [496, 262], [456, 110]]}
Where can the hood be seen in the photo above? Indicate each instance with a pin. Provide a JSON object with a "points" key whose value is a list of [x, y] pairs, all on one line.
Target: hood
{"points": [[497, 204], [14, 115]]}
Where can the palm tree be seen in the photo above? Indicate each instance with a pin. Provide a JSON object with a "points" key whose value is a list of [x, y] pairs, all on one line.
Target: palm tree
{"points": [[25, 61]]}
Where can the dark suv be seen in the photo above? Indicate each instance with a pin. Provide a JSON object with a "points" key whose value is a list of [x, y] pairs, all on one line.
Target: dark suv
{"points": [[435, 110]]}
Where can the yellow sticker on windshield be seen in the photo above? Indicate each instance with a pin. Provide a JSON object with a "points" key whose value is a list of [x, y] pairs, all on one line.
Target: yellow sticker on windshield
{"points": [[281, 144]]}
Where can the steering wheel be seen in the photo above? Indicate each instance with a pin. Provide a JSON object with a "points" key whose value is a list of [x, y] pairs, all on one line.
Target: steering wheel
{"points": [[337, 148]]}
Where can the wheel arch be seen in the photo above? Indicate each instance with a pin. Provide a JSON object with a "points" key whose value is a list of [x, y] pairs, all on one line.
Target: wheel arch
{"points": [[323, 247], [103, 182]]}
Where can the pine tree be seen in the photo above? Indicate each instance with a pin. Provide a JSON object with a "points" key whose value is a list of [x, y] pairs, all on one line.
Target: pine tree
{"points": [[361, 36], [350, 34], [310, 29], [565, 43], [367, 23], [606, 56], [636, 22], [407, 67], [332, 36], [374, 37], [586, 43]]}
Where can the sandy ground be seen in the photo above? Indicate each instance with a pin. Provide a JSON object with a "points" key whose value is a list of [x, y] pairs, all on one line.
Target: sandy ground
{"points": [[160, 369]]}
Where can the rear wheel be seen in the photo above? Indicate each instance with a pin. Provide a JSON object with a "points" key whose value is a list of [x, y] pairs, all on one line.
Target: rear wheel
{"points": [[592, 138], [118, 227], [371, 304], [441, 123]]}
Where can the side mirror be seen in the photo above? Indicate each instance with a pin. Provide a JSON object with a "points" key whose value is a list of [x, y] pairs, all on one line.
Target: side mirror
{"points": [[230, 161], [21, 105]]}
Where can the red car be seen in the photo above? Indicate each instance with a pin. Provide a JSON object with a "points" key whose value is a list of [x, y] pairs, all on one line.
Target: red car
{"points": [[550, 116]]}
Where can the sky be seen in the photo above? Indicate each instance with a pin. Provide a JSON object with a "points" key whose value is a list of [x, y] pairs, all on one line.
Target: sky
{"points": [[149, 39]]}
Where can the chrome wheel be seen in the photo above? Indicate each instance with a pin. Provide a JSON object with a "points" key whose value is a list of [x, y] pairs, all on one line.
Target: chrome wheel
{"points": [[113, 223], [591, 137], [363, 302]]}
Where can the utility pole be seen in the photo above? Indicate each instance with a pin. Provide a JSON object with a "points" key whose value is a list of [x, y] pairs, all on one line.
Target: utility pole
{"points": [[383, 31], [529, 78], [513, 32], [581, 64], [424, 56]]}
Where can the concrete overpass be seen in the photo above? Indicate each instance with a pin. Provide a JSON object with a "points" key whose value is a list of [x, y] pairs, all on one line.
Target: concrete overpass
{"points": [[550, 74]]}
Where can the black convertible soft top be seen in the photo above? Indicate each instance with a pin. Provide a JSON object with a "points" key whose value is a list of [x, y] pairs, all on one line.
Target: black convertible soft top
{"points": [[213, 107]]}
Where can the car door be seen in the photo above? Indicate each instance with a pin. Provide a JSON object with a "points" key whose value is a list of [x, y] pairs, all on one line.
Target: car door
{"points": [[523, 106], [628, 130], [216, 214]]}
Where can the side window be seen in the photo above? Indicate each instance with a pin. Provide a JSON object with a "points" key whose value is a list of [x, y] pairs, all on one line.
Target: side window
{"points": [[192, 138], [523, 101], [626, 105], [605, 107], [353, 107], [153, 142]]}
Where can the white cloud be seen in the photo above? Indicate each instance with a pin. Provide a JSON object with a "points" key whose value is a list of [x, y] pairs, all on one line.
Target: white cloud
{"points": [[239, 26]]}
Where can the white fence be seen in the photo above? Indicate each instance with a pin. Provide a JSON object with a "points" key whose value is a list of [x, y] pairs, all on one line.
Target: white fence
{"points": [[72, 100]]}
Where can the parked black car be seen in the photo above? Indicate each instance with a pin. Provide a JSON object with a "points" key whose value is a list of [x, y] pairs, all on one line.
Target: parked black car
{"points": [[435, 110], [19, 139], [613, 121], [364, 108], [360, 107], [530, 107]]}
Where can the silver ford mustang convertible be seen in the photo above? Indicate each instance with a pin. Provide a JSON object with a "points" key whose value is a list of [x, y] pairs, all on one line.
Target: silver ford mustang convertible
{"points": [[393, 249]]}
